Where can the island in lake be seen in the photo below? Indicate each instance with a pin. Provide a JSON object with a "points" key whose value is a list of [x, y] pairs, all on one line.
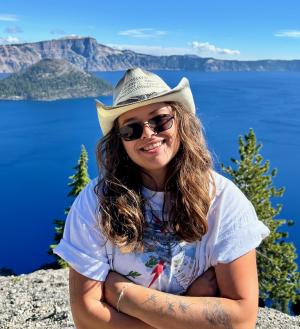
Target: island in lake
{"points": [[52, 79]]}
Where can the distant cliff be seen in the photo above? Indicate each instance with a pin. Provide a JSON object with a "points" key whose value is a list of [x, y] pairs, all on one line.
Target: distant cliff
{"points": [[88, 55], [52, 79]]}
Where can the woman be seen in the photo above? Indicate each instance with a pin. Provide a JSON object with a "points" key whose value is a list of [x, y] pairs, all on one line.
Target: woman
{"points": [[160, 240]]}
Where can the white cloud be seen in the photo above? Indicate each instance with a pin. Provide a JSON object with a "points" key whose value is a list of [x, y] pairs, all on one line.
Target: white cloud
{"points": [[8, 18], [13, 30], [9, 40], [205, 47], [154, 50], [193, 48], [143, 33], [288, 34], [73, 36]]}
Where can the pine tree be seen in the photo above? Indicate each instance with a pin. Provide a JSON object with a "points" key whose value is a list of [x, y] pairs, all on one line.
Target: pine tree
{"points": [[277, 269], [78, 181], [81, 177]]}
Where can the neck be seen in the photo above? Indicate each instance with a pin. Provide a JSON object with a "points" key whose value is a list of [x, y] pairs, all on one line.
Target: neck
{"points": [[154, 180]]}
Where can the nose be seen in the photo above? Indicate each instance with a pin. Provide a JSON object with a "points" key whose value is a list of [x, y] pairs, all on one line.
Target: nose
{"points": [[147, 131]]}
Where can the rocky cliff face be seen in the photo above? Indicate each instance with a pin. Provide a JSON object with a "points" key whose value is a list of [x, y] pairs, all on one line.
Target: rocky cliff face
{"points": [[41, 300], [88, 55]]}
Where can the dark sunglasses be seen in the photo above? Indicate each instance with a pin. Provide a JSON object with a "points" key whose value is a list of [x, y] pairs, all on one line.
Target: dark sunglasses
{"points": [[158, 124]]}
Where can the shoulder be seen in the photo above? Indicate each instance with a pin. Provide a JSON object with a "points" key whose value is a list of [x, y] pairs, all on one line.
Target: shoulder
{"points": [[233, 226], [223, 184], [228, 194], [86, 203], [230, 209], [83, 244]]}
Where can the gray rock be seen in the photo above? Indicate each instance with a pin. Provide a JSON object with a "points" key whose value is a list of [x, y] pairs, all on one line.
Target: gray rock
{"points": [[40, 300], [36, 300]]}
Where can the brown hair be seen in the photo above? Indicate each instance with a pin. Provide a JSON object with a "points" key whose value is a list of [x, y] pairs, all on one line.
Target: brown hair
{"points": [[189, 182]]}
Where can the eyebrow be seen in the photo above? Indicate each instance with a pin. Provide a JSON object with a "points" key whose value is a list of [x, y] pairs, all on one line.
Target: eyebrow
{"points": [[135, 119]]}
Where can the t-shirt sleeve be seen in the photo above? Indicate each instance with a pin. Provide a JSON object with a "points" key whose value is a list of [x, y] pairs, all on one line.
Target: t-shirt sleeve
{"points": [[83, 245], [237, 230]]}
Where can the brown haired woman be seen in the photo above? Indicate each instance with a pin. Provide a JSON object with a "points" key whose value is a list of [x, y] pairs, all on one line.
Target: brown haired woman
{"points": [[159, 240]]}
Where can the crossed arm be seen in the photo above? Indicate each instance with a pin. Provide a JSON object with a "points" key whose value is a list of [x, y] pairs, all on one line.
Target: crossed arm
{"points": [[144, 308]]}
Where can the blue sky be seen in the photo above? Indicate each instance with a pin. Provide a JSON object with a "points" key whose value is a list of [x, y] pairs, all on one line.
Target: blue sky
{"points": [[221, 29]]}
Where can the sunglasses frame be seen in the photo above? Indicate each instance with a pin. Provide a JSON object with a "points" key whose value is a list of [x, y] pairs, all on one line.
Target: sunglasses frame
{"points": [[154, 127]]}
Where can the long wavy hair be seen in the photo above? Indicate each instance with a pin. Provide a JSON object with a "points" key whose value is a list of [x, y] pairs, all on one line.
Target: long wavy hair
{"points": [[190, 186]]}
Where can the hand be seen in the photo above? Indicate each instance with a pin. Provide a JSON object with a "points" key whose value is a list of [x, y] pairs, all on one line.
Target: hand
{"points": [[113, 286], [205, 285]]}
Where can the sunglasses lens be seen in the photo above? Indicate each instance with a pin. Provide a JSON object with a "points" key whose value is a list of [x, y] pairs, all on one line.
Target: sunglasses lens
{"points": [[157, 124], [131, 132], [161, 123]]}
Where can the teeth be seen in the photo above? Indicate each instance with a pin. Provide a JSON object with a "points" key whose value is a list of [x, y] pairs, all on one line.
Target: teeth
{"points": [[152, 146]]}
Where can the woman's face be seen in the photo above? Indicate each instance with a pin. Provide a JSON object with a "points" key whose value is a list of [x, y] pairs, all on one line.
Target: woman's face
{"points": [[152, 152]]}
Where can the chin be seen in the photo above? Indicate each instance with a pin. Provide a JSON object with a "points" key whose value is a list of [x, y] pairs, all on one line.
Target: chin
{"points": [[155, 167]]}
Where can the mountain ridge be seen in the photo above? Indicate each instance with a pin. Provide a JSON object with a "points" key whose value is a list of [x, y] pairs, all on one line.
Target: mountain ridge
{"points": [[89, 55]]}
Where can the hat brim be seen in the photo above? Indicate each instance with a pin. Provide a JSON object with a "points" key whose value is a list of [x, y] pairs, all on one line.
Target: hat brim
{"points": [[180, 94]]}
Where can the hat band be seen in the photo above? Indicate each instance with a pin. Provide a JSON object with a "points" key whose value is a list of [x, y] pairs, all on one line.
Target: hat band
{"points": [[138, 98]]}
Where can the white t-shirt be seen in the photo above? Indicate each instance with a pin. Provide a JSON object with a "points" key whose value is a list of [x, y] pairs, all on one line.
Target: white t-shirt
{"points": [[167, 264]]}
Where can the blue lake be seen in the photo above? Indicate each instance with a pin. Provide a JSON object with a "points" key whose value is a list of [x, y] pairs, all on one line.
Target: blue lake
{"points": [[40, 144]]}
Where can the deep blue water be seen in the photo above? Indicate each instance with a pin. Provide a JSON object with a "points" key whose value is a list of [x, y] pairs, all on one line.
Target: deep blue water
{"points": [[40, 144]]}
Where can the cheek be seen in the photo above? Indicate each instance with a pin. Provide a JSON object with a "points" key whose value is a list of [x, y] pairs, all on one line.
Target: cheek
{"points": [[126, 147], [175, 145], [175, 139], [129, 149]]}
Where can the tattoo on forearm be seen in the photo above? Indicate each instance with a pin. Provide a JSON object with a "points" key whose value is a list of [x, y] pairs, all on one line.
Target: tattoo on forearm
{"points": [[217, 316], [213, 311], [183, 307], [169, 306], [160, 310], [152, 298]]}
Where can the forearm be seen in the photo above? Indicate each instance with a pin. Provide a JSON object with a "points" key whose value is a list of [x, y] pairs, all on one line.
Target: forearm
{"points": [[162, 310], [96, 314]]}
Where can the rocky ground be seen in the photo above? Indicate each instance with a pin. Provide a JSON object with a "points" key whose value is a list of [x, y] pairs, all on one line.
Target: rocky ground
{"points": [[40, 300]]}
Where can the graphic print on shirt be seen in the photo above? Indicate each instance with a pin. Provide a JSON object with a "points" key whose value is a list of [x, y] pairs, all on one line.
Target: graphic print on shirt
{"points": [[158, 269], [167, 264], [172, 262]]}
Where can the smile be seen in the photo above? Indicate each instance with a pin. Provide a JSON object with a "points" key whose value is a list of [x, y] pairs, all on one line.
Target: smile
{"points": [[152, 146]]}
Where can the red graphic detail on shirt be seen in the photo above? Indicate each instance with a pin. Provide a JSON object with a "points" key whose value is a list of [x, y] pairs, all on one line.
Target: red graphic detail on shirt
{"points": [[158, 269]]}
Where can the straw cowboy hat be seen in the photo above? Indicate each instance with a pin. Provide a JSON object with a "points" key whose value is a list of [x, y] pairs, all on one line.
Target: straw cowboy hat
{"points": [[139, 88]]}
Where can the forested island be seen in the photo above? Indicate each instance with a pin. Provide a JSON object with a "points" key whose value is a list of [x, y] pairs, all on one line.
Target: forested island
{"points": [[52, 79]]}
